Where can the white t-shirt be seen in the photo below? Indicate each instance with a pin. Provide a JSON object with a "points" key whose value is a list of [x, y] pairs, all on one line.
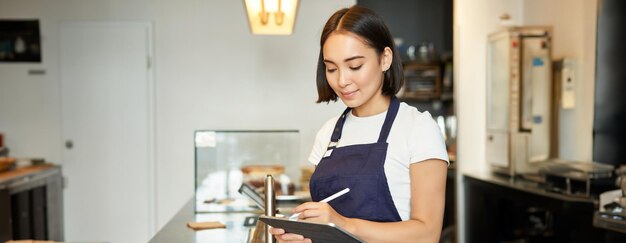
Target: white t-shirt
{"points": [[414, 137]]}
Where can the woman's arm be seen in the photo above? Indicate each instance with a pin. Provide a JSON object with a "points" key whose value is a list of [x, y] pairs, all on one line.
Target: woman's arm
{"points": [[428, 185]]}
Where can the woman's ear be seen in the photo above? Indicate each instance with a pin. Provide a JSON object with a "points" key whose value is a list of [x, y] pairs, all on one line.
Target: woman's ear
{"points": [[387, 58]]}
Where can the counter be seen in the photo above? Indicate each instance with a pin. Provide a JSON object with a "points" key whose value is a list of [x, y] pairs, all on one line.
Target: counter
{"points": [[176, 229]]}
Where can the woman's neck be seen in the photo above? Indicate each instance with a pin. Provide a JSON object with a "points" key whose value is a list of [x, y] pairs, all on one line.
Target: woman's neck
{"points": [[375, 105]]}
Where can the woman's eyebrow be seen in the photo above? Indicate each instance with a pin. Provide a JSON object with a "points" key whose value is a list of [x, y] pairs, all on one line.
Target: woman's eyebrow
{"points": [[345, 60], [352, 58]]}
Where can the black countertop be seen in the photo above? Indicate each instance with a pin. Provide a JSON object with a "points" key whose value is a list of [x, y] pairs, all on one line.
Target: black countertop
{"points": [[528, 186], [176, 229]]}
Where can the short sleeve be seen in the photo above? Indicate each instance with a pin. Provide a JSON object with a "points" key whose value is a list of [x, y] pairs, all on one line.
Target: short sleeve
{"points": [[426, 141], [321, 141]]}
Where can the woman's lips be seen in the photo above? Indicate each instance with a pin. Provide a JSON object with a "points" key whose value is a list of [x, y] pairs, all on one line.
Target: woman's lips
{"points": [[349, 94]]}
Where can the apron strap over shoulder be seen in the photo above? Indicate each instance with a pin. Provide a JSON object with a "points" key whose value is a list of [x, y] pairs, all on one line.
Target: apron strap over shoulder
{"points": [[339, 126], [391, 116]]}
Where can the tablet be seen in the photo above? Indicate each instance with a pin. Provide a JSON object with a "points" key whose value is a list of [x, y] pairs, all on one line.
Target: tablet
{"points": [[317, 232]]}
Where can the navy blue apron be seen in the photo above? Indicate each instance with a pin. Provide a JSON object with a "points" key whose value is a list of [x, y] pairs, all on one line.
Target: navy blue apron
{"points": [[361, 168]]}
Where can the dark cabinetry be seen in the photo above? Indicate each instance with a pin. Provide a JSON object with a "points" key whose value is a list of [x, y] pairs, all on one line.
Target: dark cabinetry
{"points": [[31, 204], [502, 209], [417, 22]]}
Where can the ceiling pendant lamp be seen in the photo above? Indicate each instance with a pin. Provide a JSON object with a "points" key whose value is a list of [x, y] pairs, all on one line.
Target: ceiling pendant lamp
{"points": [[271, 17]]}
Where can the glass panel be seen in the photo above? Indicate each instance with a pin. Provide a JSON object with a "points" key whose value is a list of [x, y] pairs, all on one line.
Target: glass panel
{"points": [[226, 159], [498, 84]]}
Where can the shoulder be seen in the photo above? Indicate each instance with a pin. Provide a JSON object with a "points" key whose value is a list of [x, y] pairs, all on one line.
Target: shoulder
{"points": [[321, 140], [413, 118], [329, 125], [324, 133]]}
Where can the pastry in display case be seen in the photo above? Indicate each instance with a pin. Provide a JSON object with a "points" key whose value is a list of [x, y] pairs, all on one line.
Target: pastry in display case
{"points": [[226, 159]]}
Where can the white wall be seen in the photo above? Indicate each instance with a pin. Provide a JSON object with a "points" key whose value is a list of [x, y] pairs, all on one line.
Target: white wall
{"points": [[473, 21], [29, 104], [574, 24], [211, 73]]}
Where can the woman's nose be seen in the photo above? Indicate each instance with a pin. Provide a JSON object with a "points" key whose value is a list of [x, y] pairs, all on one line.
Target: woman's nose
{"points": [[344, 79]]}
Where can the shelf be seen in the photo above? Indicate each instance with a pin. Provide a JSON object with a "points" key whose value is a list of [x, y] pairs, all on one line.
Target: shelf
{"points": [[421, 81]]}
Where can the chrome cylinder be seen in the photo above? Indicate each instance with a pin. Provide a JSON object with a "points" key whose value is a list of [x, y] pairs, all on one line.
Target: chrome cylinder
{"points": [[270, 205]]}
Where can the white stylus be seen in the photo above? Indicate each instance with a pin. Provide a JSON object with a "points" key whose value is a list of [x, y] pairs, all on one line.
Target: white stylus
{"points": [[336, 195]]}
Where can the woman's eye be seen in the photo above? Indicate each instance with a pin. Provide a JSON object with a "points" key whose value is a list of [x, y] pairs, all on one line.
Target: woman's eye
{"points": [[330, 70], [356, 68]]}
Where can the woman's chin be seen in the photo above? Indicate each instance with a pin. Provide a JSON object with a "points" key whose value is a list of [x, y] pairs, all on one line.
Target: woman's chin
{"points": [[350, 103]]}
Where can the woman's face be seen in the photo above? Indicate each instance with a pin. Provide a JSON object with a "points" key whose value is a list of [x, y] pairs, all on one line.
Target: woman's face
{"points": [[354, 70]]}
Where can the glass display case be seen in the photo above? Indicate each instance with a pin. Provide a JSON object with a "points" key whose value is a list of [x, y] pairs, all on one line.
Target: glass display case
{"points": [[226, 159]]}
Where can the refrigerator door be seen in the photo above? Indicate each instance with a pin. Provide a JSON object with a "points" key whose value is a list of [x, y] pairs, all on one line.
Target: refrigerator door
{"points": [[535, 93]]}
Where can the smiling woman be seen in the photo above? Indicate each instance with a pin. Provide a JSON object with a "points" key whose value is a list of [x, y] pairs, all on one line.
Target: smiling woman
{"points": [[390, 155], [359, 81]]}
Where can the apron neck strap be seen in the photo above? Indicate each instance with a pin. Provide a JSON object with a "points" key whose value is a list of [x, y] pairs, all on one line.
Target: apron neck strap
{"points": [[384, 132], [394, 106], [339, 126]]}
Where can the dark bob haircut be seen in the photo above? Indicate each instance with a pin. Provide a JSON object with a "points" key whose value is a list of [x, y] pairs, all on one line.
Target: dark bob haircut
{"points": [[371, 29]]}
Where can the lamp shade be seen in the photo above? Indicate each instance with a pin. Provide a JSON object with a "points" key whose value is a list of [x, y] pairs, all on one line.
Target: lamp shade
{"points": [[271, 17]]}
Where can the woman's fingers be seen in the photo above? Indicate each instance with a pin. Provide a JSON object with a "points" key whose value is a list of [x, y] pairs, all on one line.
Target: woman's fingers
{"points": [[276, 231], [310, 209], [281, 236], [305, 206], [291, 237], [309, 213]]}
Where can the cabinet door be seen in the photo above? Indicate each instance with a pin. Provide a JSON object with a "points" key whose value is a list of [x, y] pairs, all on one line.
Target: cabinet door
{"points": [[5, 216], [498, 96]]}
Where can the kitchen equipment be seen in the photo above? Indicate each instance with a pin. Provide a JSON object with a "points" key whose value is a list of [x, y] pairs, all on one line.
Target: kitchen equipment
{"points": [[583, 179], [612, 209], [621, 184], [519, 104]]}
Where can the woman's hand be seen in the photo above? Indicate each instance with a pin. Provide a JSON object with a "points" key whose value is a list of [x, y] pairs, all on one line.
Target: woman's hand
{"points": [[281, 236], [320, 212]]}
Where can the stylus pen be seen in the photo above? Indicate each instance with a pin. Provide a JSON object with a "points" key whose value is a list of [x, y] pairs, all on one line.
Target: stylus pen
{"points": [[336, 195]]}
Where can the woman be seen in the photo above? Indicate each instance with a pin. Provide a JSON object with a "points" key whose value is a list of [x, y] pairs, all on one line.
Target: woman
{"points": [[391, 156]]}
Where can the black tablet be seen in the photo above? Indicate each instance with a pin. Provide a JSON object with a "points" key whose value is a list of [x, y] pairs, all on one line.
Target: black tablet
{"points": [[318, 233]]}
